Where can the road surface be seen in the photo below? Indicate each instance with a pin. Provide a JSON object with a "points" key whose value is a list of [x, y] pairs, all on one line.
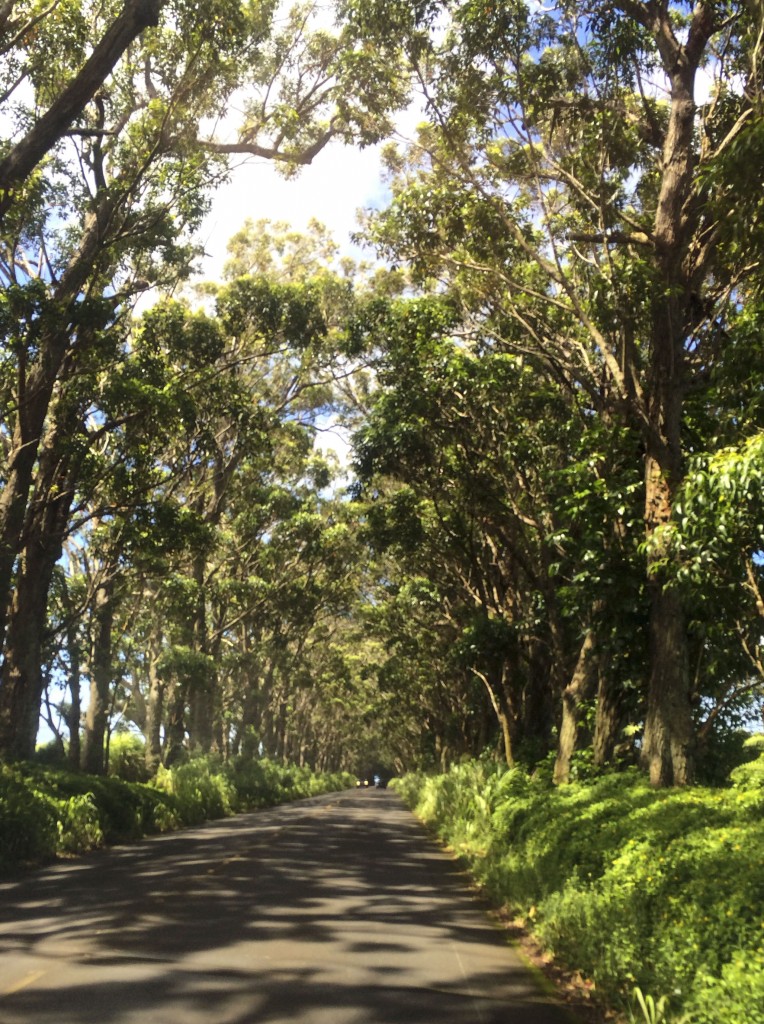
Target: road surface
{"points": [[336, 910]]}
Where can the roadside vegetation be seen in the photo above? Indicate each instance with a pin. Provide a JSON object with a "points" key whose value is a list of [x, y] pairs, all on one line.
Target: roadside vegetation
{"points": [[49, 811], [633, 887], [549, 542]]}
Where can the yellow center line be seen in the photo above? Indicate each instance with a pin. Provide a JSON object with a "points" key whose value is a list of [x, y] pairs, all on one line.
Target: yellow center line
{"points": [[29, 979]]}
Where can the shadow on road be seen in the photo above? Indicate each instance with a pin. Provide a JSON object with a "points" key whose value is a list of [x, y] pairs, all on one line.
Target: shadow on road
{"points": [[336, 911]]}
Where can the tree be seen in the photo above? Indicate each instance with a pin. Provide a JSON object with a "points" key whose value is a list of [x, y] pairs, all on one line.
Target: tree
{"points": [[560, 191], [69, 105], [481, 476], [100, 196]]}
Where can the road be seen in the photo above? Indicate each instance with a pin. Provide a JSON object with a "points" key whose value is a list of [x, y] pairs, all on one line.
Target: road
{"points": [[336, 910]]}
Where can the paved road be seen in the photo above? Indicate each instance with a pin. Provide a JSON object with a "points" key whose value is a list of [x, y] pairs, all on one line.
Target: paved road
{"points": [[337, 910]]}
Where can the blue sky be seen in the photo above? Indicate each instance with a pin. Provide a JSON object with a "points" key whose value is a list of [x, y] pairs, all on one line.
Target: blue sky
{"points": [[340, 181]]}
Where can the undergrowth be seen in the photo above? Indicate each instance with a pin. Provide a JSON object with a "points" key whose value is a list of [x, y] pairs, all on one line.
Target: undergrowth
{"points": [[634, 887], [48, 811]]}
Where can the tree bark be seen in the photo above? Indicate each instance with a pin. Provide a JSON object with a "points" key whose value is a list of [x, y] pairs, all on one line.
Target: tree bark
{"points": [[22, 679], [202, 694], [102, 676], [608, 718], [666, 751], [75, 705], [44, 529], [34, 394], [136, 16], [580, 689], [538, 702], [154, 710], [667, 746], [503, 711], [175, 726]]}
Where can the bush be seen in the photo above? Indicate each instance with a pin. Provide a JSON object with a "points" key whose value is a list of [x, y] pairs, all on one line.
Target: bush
{"points": [[79, 827], [207, 787], [260, 782], [127, 757], [200, 789], [629, 885], [46, 810], [28, 823], [125, 810], [739, 991]]}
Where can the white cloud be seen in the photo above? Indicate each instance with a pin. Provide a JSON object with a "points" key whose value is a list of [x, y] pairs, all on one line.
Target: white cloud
{"points": [[341, 181]]}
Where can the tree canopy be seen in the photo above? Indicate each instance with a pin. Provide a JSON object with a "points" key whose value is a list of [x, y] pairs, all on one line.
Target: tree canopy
{"points": [[551, 545]]}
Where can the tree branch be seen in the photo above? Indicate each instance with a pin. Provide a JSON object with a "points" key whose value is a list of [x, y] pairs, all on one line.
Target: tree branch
{"points": [[304, 157], [136, 16], [612, 238]]}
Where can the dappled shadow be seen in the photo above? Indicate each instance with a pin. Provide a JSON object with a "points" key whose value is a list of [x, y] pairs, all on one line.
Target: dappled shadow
{"points": [[337, 910]]}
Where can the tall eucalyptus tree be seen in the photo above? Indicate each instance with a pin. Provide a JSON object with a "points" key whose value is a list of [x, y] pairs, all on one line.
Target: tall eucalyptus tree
{"points": [[573, 188], [112, 154]]}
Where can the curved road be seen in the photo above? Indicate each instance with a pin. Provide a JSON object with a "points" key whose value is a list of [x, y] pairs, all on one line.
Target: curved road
{"points": [[336, 910]]}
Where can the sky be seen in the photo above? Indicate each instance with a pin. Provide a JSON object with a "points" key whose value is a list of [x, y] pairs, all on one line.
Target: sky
{"points": [[341, 181]]}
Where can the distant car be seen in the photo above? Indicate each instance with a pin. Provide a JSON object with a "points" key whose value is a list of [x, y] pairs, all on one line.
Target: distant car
{"points": [[377, 778]]}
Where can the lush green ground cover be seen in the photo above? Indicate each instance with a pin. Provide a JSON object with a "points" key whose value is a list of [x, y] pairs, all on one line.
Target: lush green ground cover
{"points": [[46, 811], [634, 887]]}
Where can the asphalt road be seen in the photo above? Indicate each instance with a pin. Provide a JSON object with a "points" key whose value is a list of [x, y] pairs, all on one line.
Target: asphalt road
{"points": [[337, 910]]}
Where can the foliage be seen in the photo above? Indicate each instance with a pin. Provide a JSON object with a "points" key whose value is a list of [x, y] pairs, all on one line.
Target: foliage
{"points": [[28, 822], [78, 825], [107, 170], [537, 200], [659, 889], [199, 791], [123, 811], [127, 757], [46, 811], [647, 1010], [262, 782]]}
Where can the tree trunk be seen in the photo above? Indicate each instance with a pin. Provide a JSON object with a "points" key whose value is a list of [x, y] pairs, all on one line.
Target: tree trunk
{"points": [[667, 739], [668, 736], [175, 726], [202, 695], [201, 717], [154, 710], [21, 684], [102, 675], [608, 718], [35, 391], [22, 680], [72, 100], [75, 706], [538, 706], [14, 498], [579, 689], [503, 712]]}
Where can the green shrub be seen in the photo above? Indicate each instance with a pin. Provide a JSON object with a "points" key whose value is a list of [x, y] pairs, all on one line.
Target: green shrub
{"points": [[735, 996], [89, 811], [127, 757], [28, 828], [202, 791], [207, 787], [52, 753], [125, 810], [253, 783], [632, 886], [79, 827], [46, 810], [749, 778]]}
